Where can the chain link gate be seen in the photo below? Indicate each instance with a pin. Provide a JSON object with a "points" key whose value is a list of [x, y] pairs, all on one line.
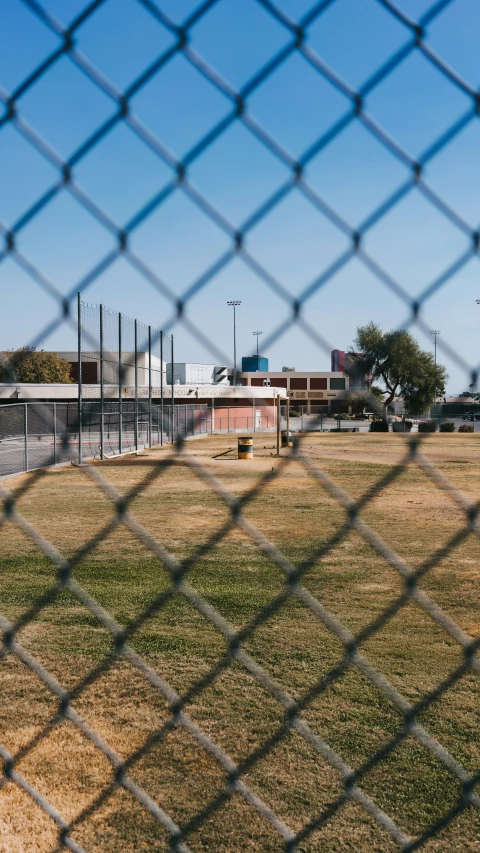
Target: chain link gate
{"points": [[352, 510]]}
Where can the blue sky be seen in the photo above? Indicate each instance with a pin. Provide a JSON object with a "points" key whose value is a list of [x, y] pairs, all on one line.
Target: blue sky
{"points": [[294, 243]]}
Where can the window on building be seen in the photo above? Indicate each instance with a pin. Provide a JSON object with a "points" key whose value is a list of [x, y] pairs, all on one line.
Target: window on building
{"points": [[298, 384], [337, 384], [89, 372], [318, 383]]}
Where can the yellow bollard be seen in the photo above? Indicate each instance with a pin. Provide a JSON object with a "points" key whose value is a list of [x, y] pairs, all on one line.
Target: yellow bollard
{"points": [[245, 447]]}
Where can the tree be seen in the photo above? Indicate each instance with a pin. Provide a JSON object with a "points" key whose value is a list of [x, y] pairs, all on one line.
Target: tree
{"points": [[396, 360], [28, 365]]}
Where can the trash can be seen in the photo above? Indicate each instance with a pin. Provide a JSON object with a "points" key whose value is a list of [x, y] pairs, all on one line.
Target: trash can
{"points": [[286, 438], [245, 447]]}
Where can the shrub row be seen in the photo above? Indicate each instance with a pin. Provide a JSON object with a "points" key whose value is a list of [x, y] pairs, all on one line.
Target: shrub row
{"points": [[447, 426], [424, 426]]}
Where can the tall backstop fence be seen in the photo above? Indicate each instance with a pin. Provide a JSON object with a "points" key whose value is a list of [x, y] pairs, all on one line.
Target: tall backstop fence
{"points": [[122, 359]]}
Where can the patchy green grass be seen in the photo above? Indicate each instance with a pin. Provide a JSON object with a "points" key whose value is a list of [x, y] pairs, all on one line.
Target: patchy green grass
{"points": [[240, 580]]}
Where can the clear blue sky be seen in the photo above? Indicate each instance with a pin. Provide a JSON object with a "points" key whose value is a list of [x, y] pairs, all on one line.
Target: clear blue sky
{"points": [[413, 243]]}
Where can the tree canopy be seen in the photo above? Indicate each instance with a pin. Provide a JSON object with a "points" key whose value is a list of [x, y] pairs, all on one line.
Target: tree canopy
{"points": [[396, 361], [28, 365]]}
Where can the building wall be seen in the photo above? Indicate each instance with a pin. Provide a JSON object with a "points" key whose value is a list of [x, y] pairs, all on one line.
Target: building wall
{"points": [[91, 368], [319, 389]]}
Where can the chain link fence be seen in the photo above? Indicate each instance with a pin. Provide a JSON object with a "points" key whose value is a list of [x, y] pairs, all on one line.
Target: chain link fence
{"points": [[19, 422], [34, 435]]}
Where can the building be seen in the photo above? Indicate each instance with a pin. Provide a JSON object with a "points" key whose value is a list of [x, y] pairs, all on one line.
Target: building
{"points": [[91, 368], [253, 364], [325, 390], [344, 362], [185, 373], [231, 408]]}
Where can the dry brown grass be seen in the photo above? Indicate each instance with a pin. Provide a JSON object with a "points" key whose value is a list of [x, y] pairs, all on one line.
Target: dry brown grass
{"points": [[353, 581]]}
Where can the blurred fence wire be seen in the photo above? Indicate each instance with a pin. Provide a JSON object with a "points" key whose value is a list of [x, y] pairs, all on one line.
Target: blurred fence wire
{"points": [[351, 516]]}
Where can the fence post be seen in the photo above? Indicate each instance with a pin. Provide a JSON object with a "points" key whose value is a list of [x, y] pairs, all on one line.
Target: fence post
{"points": [[211, 415], [102, 424], [161, 389], [120, 382], [150, 386], [26, 436], [102, 421], [253, 415], [288, 421], [135, 414], [278, 424], [228, 420], [79, 323], [54, 433], [173, 393]]}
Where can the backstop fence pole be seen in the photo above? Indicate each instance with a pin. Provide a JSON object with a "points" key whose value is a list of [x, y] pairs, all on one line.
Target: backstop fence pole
{"points": [[135, 425], [150, 386], [79, 322], [161, 389], [120, 382], [102, 402]]}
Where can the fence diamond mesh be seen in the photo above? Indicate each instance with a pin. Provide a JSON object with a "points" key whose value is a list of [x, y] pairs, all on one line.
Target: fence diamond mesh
{"points": [[351, 514]]}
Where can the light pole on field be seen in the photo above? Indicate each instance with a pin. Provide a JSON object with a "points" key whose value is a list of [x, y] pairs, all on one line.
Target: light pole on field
{"points": [[257, 335], [435, 334], [234, 303]]}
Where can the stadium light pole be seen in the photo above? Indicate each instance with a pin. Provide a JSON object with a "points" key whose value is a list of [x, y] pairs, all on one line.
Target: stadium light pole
{"points": [[234, 303], [435, 334], [257, 335]]}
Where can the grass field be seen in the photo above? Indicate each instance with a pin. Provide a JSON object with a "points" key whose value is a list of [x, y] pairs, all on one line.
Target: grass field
{"points": [[352, 580]]}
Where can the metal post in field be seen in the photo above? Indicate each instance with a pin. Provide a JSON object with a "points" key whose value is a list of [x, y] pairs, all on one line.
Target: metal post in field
{"points": [[135, 422], [278, 424], [150, 386], [161, 389], [288, 421], [102, 401], [26, 435], [228, 420], [253, 406], [54, 433], [120, 382], [234, 303], [211, 415], [79, 323], [173, 391]]}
